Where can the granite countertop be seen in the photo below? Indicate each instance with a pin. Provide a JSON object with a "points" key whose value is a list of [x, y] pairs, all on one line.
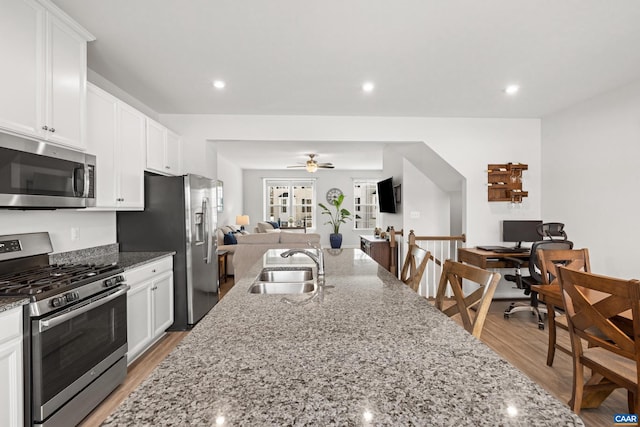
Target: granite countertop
{"points": [[7, 303], [100, 255], [129, 260], [108, 254], [368, 352]]}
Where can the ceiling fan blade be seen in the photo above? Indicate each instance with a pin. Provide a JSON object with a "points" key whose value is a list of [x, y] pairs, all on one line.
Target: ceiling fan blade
{"points": [[326, 166], [297, 166]]}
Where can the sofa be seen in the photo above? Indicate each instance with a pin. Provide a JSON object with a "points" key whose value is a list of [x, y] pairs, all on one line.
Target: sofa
{"points": [[231, 249], [250, 247]]}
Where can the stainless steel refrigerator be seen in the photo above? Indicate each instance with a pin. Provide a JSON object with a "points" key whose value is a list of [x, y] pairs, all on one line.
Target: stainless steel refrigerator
{"points": [[180, 215]]}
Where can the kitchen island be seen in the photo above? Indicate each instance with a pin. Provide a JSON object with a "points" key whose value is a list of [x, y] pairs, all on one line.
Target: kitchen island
{"points": [[369, 352]]}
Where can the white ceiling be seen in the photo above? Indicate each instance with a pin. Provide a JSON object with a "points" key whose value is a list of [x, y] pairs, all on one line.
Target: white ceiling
{"points": [[441, 58], [280, 154]]}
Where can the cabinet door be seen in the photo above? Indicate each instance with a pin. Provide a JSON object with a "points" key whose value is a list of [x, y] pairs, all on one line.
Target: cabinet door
{"points": [[11, 368], [101, 141], [130, 157], [139, 319], [65, 84], [173, 154], [11, 406], [20, 73], [163, 302], [156, 137]]}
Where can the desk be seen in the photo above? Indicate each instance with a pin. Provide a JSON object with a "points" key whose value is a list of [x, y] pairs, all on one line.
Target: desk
{"points": [[488, 259]]}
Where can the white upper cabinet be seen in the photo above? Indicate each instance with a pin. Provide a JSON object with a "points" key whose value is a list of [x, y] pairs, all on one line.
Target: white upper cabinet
{"points": [[164, 150], [44, 73], [20, 44], [116, 135], [130, 157]]}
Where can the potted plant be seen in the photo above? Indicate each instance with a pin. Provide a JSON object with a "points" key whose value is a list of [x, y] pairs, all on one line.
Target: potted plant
{"points": [[340, 216]]}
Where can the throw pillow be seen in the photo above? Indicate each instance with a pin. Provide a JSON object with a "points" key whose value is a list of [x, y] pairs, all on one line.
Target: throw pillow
{"points": [[274, 224], [230, 239]]}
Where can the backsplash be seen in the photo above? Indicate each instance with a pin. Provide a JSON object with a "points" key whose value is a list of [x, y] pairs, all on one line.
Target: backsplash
{"points": [[81, 255]]}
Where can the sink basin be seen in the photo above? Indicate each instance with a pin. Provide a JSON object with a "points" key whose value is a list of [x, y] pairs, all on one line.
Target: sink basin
{"points": [[281, 287], [279, 280], [289, 275]]}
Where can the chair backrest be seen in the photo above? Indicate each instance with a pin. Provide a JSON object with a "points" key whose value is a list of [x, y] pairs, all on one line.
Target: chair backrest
{"points": [[414, 266], [534, 262], [590, 313], [551, 259], [453, 274], [552, 230]]}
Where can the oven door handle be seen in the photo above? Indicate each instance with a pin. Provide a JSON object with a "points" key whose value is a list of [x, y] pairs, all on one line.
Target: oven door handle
{"points": [[43, 325]]}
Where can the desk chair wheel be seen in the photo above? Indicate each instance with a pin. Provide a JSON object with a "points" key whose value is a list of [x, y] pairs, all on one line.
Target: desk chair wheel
{"points": [[535, 311]]}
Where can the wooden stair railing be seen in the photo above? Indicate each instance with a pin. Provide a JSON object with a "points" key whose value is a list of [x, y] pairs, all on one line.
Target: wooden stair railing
{"points": [[393, 244], [441, 249]]}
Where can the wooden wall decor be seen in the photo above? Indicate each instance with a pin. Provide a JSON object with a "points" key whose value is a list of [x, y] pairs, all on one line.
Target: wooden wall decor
{"points": [[505, 182]]}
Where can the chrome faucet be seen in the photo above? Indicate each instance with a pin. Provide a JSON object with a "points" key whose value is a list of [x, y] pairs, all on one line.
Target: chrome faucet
{"points": [[318, 259]]}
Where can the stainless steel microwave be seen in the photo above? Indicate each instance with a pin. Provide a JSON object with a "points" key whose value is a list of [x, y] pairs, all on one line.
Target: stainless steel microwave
{"points": [[38, 175]]}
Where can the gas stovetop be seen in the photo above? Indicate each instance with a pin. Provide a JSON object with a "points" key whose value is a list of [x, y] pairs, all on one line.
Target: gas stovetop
{"points": [[41, 282]]}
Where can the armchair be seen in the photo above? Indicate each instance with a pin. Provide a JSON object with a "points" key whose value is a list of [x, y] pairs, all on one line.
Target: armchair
{"points": [[556, 239]]}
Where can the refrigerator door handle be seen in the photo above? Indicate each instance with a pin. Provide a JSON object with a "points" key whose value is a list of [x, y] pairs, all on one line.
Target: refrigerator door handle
{"points": [[206, 224]]}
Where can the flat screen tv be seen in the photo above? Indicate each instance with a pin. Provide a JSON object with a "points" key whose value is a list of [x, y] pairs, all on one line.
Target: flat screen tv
{"points": [[386, 196]]}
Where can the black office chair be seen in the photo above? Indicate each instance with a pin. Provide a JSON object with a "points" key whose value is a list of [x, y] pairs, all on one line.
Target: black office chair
{"points": [[555, 238]]}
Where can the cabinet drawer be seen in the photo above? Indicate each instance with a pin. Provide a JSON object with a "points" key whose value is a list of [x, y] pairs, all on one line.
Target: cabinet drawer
{"points": [[148, 271], [10, 324]]}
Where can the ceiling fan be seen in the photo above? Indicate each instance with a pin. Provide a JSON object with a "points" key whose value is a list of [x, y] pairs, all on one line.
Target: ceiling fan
{"points": [[312, 165]]}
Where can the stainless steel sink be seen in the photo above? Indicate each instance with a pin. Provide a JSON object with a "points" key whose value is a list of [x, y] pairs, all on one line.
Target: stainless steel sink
{"points": [[281, 287], [295, 274], [279, 280]]}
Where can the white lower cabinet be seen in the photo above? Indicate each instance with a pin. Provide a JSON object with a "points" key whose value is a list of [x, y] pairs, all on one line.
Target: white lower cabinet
{"points": [[11, 379], [149, 305]]}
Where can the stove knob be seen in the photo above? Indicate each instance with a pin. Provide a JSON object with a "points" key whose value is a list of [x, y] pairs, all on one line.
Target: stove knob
{"points": [[72, 296], [113, 281], [59, 301]]}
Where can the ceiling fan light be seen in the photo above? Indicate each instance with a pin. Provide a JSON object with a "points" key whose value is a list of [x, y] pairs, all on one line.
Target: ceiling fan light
{"points": [[311, 166]]}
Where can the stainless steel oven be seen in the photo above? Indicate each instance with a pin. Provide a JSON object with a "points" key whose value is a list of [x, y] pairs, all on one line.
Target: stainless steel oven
{"points": [[76, 332], [38, 175], [79, 349]]}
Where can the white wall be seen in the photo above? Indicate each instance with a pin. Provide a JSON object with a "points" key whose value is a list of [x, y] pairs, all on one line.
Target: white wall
{"points": [[325, 179], [95, 228], [590, 158], [231, 174], [428, 204], [469, 145]]}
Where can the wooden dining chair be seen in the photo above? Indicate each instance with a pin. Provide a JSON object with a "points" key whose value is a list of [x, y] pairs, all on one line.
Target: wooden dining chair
{"points": [[595, 306], [453, 275], [550, 260], [414, 266]]}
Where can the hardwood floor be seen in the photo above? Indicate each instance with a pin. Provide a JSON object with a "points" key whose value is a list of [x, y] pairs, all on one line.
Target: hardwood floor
{"points": [[517, 340]]}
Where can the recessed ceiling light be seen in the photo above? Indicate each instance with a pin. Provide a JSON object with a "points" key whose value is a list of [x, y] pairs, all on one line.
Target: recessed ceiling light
{"points": [[511, 89], [368, 87], [219, 84]]}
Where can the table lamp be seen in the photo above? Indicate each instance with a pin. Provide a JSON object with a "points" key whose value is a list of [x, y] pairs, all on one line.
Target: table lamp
{"points": [[242, 220]]}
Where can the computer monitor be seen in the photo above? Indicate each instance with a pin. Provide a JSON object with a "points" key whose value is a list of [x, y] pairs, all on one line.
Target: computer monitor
{"points": [[520, 231]]}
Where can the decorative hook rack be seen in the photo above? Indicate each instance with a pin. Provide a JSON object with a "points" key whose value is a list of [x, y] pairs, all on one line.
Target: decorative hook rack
{"points": [[505, 182]]}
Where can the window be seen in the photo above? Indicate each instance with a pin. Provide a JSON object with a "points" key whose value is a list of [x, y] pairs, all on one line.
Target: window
{"points": [[365, 204], [290, 199]]}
